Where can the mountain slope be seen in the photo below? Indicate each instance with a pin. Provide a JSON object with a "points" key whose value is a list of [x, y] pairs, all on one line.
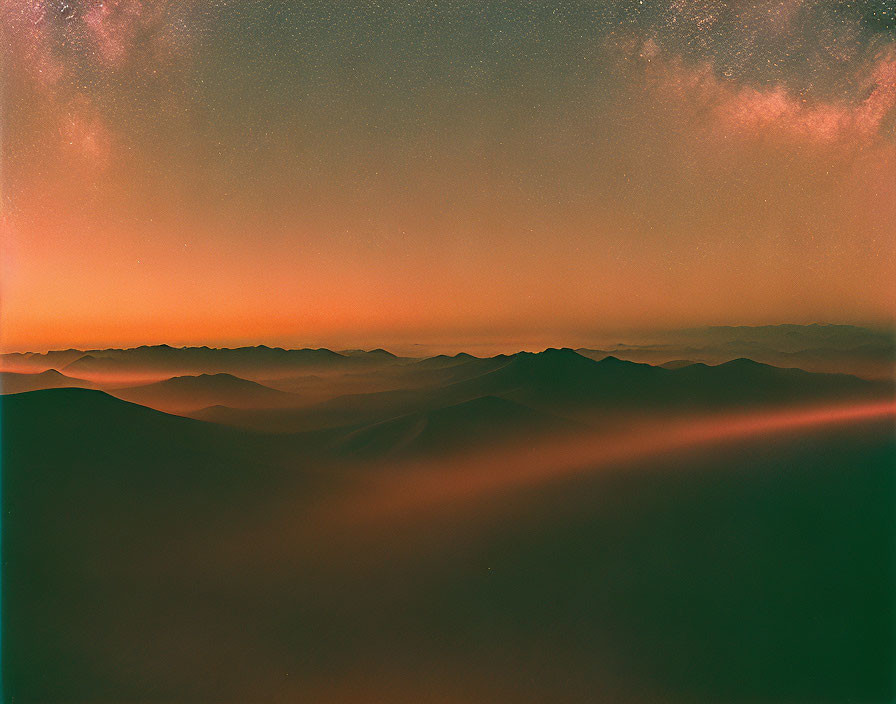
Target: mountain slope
{"points": [[483, 421], [184, 393], [14, 383], [568, 384], [93, 487], [149, 558]]}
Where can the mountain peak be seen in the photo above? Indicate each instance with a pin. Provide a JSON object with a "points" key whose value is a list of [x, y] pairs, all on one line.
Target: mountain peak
{"points": [[610, 359], [744, 363], [552, 362]]}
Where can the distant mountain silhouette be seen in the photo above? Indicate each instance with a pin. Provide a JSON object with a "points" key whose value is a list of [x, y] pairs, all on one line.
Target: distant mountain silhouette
{"points": [[677, 363], [370, 355], [754, 382], [184, 393], [565, 383], [790, 338], [165, 359], [563, 379], [13, 383], [483, 421], [92, 365], [563, 374], [33, 362], [441, 361], [822, 348], [864, 352], [443, 369], [161, 361]]}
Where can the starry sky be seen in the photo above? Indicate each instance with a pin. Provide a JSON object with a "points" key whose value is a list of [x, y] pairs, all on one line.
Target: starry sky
{"points": [[377, 173]]}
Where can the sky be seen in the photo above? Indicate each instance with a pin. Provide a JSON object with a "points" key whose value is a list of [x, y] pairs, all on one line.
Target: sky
{"points": [[372, 173]]}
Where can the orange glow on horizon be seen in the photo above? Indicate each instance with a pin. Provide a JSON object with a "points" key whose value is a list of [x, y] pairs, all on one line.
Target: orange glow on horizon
{"points": [[147, 200]]}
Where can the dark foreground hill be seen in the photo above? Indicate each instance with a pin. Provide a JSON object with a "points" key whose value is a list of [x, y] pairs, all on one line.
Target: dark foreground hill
{"points": [[155, 558], [83, 436]]}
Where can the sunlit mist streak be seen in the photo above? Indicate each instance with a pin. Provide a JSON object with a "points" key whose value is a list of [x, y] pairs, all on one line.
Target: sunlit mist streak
{"points": [[424, 485]]}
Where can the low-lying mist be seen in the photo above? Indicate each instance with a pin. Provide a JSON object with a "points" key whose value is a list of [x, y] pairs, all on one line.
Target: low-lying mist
{"points": [[718, 557]]}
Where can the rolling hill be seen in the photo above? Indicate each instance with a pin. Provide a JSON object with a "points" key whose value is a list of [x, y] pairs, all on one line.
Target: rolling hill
{"points": [[568, 384], [14, 383], [185, 393], [484, 421]]}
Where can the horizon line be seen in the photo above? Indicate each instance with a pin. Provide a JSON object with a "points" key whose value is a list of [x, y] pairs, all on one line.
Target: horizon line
{"points": [[888, 327]]}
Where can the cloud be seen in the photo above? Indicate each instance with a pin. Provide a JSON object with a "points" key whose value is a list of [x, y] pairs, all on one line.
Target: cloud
{"points": [[112, 26], [71, 57], [731, 107]]}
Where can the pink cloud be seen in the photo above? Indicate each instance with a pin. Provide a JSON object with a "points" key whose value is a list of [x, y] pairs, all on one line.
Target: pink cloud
{"points": [[113, 25], [51, 45], [731, 108], [29, 38], [123, 31]]}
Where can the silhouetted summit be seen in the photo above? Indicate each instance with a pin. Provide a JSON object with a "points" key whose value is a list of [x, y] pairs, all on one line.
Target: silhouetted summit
{"points": [[12, 382], [183, 393]]}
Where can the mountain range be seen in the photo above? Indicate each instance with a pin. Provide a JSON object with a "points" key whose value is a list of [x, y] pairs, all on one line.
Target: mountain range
{"points": [[162, 361], [564, 383], [861, 351]]}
